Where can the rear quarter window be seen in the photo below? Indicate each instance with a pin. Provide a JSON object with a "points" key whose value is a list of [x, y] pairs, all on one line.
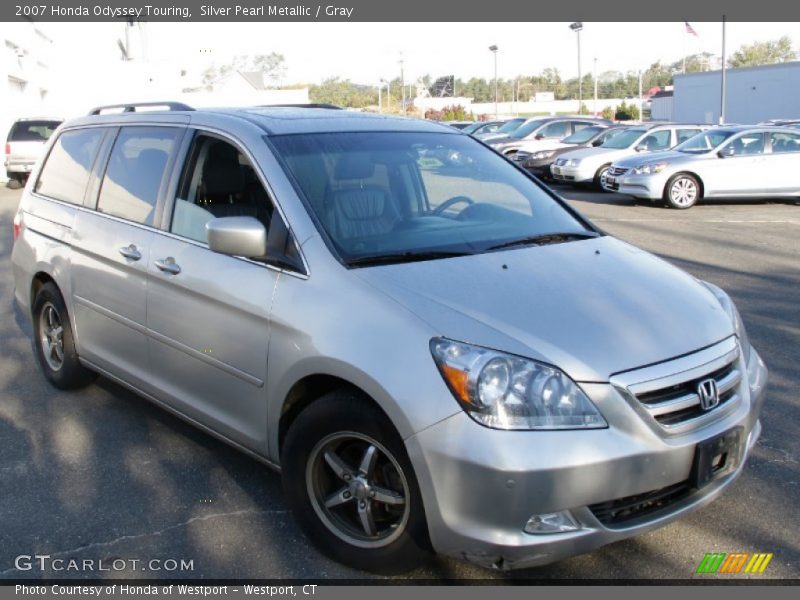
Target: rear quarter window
{"points": [[66, 171]]}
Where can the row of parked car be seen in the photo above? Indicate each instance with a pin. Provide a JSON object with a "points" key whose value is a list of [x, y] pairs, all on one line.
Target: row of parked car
{"points": [[678, 163]]}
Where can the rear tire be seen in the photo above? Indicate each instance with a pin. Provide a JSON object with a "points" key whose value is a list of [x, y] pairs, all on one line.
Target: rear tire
{"points": [[340, 458], [14, 183], [54, 343], [682, 191]]}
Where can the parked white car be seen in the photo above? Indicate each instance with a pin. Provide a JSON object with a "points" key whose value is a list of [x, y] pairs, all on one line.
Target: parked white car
{"points": [[24, 146], [541, 133], [725, 162], [590, 165]]}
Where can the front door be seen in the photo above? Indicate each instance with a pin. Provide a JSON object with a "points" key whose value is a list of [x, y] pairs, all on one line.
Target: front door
{"points": [[208, 313]]}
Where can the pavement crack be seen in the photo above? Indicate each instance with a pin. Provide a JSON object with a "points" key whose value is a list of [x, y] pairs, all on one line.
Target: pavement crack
{"points": [[124, 538]]}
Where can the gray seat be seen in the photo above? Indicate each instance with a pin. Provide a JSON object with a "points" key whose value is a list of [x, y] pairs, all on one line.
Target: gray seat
{"points": [[354, 209]]}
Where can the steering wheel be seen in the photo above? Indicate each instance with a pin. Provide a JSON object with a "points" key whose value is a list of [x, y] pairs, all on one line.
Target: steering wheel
{"points": [[450, 202]]}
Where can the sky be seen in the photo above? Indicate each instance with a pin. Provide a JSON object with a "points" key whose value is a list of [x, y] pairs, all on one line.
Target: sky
{"points": [[368, 52]]}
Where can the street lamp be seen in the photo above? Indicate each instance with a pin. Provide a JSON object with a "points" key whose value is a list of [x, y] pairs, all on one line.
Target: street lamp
{"points": [[493, 48], [576, 27]]}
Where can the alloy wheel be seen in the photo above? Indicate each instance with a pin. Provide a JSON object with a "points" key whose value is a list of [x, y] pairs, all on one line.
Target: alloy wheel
{"points": [[358, 489], [51, 336], [683, 191]]}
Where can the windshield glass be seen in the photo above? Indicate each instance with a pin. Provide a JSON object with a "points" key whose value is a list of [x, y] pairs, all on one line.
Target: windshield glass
{"points": [[583, 135], [32, 131], [472, 127], [703, 142], [510, 126], [417, 195], [624, 139], [526, 129]]}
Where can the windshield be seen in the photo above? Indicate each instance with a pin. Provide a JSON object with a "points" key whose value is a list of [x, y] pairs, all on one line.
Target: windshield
{"points": [[473, 126], [397, 196], [583, 135], [526, 129], [703, 142], [624, 139], [510, 126]]}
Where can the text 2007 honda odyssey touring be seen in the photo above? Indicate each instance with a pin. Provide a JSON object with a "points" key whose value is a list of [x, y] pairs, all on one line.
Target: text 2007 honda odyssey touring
{"points": [[436, 351]]}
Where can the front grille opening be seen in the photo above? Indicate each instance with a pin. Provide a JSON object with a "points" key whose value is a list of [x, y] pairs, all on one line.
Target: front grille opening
{"points": [[621, 510], [691, 412], [685, 387]]}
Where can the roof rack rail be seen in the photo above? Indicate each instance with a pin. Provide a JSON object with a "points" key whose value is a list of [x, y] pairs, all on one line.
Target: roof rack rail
{"points": [[132, 106], [307, 105]]}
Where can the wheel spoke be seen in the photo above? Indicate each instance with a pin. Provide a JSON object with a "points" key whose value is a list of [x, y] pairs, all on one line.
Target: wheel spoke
{"points": [[387, 496], [57, 331], [339, 467], [59, 352], [368, 461], [365, 516], [338, 498]]}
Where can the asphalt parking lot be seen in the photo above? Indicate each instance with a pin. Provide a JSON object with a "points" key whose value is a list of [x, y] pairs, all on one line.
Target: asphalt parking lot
{"points": [[103, 474]]}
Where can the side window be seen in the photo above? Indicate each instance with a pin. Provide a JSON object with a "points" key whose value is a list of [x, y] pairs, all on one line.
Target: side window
{"points": [[785, 142], [685, 134], [578, 125], [748, 144], [66, 171], [559, 129], [656, 140], [218, 181], [136, 169]]}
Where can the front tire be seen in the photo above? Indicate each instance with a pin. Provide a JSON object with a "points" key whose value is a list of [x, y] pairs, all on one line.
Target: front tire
{"points": [[682, 191], [600, 178], [351, 487], [54, 343]]}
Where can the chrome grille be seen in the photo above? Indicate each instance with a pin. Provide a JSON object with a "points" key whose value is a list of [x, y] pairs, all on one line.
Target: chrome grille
{"points": [[667, 394], [617, 171]]}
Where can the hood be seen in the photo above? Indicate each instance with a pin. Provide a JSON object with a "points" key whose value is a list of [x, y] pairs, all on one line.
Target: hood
{"points": [[592, 151], [669, 156], [497, 138], [593, 307]]}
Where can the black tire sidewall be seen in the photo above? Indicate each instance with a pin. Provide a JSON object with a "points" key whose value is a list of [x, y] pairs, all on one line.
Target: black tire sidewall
{"points": [[347, 411], [72, 373], [671, 182]]}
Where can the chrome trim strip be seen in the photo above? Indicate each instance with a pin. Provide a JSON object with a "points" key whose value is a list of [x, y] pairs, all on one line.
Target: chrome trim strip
{"points": [[110, 314], [730, 381], [674, 405], [704, 418]]}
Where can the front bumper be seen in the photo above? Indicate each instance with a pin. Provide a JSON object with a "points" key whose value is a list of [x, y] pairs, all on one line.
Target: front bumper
{"points": [[480, 486], [650, 187], [579, 174]]}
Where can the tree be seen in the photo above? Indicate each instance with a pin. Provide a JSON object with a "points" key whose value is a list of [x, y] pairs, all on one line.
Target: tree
{"points": [[271, 66], [343, 92], [763, 53], [627, 112]]}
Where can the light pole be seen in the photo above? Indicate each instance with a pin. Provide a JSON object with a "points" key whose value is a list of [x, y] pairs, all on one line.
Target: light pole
{"points": [[493, 48], [594, 76], [576, 27], [380, 94], [403, 82]]}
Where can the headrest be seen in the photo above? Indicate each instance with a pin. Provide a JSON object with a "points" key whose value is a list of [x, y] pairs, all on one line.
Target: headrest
{"points": [[222, 172], [354, 166]]}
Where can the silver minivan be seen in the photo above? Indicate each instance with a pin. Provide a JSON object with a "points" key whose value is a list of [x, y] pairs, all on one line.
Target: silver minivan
{"points": [[436, 351]]}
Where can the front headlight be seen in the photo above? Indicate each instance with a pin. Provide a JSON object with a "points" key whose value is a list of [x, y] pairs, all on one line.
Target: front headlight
{"points": [[504, 391], [649, 168], [573, 162], [542, 154], [730, 309]]}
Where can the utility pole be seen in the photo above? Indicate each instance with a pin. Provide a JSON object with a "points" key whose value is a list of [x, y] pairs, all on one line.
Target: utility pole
{"points": [[724, 76], [380, 93], [641, 113], [493, 48], [594, 76], [403, 82], [577, 27]]}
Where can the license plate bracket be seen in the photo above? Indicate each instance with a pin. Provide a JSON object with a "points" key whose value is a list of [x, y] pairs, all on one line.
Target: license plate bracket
{"points": [[716, 457]]}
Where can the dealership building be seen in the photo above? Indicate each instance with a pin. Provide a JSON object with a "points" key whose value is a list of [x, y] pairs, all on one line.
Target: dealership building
{"points": [[754, 94]]}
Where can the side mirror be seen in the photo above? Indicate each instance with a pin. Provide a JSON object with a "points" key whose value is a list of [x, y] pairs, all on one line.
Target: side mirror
{"points": [[237, 236], [539, 136], [641, 148], [726, 152]]}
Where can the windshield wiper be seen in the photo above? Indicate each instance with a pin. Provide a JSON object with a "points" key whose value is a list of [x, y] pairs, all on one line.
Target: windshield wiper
{"points": [[403, 257], [546, 238]]}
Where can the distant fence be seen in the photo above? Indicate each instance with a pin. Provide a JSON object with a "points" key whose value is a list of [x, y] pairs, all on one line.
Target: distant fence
{"points": [[526, 108]]}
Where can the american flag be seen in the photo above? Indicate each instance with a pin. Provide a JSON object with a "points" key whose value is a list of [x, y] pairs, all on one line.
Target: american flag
{"points": [[689, 29]]}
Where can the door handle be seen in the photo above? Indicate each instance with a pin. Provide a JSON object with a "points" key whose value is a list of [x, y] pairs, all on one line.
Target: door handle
{"points": [[167, 265], [130, 252]]}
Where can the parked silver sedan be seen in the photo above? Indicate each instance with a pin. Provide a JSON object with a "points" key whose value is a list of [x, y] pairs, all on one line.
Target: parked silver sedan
{"points": [[724, 162]]}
